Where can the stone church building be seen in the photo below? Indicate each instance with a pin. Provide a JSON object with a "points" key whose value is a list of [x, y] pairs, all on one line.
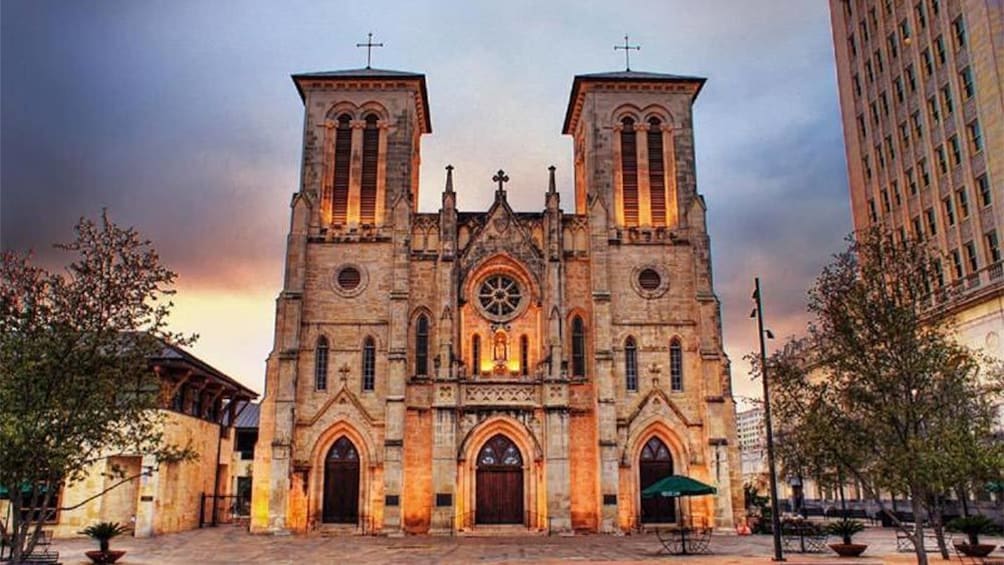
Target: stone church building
{"points": [[456, 370]]}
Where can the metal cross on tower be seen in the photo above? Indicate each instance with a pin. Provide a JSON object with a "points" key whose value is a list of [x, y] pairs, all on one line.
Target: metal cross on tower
{"points": [[501, 178], [369, 45], [627, 52]]}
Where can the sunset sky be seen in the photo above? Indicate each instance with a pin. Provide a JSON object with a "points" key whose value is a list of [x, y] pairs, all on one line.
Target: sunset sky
{"points": [[181, 119]]}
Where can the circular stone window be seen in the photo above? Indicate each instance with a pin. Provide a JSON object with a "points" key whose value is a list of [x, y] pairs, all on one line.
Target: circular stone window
{"points": [[500, 297], [650, 281], [349, 280]]}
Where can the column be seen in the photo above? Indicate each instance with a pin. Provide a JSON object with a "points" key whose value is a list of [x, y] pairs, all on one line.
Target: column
{"points": [[618, 179], [669, 166], [328, 171], [381, 198]]}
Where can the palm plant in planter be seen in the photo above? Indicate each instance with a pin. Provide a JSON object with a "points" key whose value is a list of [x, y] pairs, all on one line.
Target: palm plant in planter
{"points": [[103, 532], [846, 528], [973, 526]]}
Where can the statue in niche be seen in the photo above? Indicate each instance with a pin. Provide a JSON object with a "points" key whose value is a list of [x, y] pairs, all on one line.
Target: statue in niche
{"points": [[500, 352]]}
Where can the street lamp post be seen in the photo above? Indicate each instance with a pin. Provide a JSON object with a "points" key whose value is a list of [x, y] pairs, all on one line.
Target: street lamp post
{"points": [[775, 513]]}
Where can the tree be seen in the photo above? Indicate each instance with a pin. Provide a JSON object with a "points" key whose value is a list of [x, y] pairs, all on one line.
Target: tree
{"points": [[880, 392], [75, 384]]}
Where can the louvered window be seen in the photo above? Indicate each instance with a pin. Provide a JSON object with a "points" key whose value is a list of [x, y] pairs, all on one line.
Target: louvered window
{"points": [[368, 187], [343, 160], [629, 172], [656, 172]]}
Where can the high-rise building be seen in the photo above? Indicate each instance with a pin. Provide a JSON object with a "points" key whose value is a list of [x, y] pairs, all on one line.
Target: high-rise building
{"points": [[752, 437], [923, 114]]}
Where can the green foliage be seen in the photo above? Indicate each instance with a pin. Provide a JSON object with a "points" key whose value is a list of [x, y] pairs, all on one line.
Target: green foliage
{"points": [[75, 385], [104, 531], [972, 526], [879, 392], [845, 528]]}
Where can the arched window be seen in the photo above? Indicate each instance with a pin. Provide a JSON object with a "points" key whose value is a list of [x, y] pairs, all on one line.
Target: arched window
{"points": [[368, 184], [656, 173], [343, 160], [578, 347], [369, 363], [422, 345], [675, 365], [321, 364], [631, 364], [524, 355], [476, 355], [629, 172]]}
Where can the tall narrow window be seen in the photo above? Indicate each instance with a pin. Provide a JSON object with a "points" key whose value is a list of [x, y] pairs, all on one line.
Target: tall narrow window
{"points": [[369, 363], [656, 173], [675, 366], [422, 345], [524, 355], [368, 186], [629, 172], [476, 355], [343, 160], [578, 347], [321, 364], [630, 364]]}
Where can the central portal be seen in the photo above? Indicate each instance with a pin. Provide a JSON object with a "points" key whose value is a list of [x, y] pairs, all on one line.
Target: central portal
{"points": [[499, 483]]}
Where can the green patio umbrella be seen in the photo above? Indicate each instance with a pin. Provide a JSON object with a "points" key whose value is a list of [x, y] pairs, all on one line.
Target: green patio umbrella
{"points": [[677, 485]]}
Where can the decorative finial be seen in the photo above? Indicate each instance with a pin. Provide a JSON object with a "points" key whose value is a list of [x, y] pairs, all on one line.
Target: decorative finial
{"points": [[449, 178], [369, 45], [627, 52], [501, 178], [550, 183]]}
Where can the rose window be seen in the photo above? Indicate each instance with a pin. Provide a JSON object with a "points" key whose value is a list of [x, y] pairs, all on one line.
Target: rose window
{"points": [[499, 296]]}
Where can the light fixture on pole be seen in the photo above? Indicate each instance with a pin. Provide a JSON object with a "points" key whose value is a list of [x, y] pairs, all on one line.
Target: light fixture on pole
{"points": [[763, 335]]}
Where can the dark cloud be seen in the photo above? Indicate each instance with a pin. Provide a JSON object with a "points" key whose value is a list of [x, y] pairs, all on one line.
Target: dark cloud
{"points": [[181, 119]]}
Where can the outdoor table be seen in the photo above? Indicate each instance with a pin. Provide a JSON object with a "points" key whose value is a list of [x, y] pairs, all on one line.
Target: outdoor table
{"points": [[683, 540]]}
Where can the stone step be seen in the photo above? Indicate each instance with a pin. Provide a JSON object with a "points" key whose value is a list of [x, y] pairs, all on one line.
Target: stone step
{"points": [[501, 530]]}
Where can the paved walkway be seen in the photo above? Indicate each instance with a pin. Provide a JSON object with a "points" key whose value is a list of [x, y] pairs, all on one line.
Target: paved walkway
{"points": [[228, 544]]}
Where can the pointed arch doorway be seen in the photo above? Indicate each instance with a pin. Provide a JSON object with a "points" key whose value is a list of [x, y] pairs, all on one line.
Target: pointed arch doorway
{"points": [[341, 483], [499, 483], [655, 463]]}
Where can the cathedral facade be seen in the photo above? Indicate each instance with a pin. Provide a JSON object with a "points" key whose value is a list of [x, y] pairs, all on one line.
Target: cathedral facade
{"points": [[450, 371]]}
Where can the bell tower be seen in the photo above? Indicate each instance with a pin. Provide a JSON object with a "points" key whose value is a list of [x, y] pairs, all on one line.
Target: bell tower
{"points": [[634, 145], [336, 333], [361, 144]]}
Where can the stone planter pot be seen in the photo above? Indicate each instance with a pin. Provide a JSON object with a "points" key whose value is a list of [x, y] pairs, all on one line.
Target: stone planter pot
{"points": [[110, 556], [979, 550], [848, 549]]}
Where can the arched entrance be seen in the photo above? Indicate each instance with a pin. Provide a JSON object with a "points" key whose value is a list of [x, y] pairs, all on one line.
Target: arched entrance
{"points": [[341, 483], [499, 482], [655, 463]]}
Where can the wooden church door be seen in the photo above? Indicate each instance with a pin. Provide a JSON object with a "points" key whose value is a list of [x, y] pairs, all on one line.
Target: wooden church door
{"points": [[499, 483], [656, 463], [341, 483]]}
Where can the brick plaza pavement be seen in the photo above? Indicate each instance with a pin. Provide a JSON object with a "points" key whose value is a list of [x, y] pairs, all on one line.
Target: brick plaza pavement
{"points": [[228, 544]]}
